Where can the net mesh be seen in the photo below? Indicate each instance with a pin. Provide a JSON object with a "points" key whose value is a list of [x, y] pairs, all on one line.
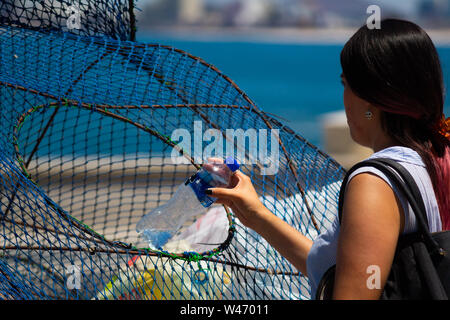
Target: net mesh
{"points": [[112, 18], [87, 149]]}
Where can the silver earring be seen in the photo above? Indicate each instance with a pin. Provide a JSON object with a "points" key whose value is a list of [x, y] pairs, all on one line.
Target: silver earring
{"points": [[368, 115]]}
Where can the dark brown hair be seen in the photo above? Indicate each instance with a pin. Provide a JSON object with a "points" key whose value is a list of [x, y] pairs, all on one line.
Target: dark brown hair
{"points": [[397, 69]]}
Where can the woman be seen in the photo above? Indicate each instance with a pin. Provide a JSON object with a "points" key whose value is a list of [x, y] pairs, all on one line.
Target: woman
{"points": [[393, 98]]}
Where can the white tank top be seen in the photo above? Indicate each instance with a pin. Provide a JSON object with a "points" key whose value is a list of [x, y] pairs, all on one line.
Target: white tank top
{"points": [[323, 251]]}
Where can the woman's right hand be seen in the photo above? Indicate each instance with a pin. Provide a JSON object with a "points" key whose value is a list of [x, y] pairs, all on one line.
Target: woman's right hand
{"points": [[242, 199]]}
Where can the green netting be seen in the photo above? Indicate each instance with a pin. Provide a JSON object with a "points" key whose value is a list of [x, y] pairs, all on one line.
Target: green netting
{"points": [[86, 150]]}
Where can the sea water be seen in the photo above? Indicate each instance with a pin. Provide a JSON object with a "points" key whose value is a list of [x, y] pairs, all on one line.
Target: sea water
{"points": [[298, 82]]}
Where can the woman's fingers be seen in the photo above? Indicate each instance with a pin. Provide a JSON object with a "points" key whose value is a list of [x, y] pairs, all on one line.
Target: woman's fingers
{"points": [[227, 192], [215, 160], [241, 175], [220, 192], [226, 202]]}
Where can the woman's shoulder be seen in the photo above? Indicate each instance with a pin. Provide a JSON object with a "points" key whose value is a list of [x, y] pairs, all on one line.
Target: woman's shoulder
{"points": [[413, 163], [409, 158], [400, 154]]}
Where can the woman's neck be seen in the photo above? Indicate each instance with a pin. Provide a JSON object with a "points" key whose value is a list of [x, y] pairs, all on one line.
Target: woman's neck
{"points": [[382, 141]]}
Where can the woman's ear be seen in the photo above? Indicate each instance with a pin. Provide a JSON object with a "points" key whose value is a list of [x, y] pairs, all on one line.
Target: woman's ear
{"points": [[375, 113]]}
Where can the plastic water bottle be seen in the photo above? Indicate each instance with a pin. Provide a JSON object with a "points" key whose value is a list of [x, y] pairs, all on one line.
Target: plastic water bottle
{"points": [[189, 200]]}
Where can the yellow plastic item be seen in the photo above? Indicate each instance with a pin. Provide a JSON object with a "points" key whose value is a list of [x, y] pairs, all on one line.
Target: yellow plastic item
{"points": [[153, 278]]}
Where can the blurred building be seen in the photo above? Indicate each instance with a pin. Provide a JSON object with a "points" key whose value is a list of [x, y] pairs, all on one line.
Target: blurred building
{"points": [[191, 11], [253, 12], [437, 11], [287, 13]]}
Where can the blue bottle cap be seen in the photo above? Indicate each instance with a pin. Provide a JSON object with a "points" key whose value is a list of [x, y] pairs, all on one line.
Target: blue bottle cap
{"points": [[232, 164]]}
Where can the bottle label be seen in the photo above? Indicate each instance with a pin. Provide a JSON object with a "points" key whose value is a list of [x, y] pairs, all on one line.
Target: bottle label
{"points": [[199, 182]]}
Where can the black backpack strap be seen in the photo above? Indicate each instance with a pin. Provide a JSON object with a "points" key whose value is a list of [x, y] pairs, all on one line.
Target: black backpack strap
{"points": [[404, 182], [421, 216]]}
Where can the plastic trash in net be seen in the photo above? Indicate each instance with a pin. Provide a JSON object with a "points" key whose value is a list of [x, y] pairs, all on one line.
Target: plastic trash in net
{"points": [[153, 278], [86, 151], [188, 201]]}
